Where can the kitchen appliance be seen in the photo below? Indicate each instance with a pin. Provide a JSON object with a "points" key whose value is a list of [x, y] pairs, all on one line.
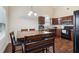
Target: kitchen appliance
{"points": [[66, 33], [41, 27], [76, 31]]}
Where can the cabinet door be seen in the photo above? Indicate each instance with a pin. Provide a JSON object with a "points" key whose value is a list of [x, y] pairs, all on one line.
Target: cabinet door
{"points": [[55, 21], [63, 19], [41, 20], [58, 32], [67, 19], [71, 18]]}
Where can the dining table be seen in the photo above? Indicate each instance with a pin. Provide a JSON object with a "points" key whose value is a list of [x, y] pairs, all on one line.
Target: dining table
{"points": [[23, 34]]}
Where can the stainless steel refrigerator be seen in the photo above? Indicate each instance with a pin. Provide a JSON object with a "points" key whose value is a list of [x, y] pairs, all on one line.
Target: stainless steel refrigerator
{"points": [[76, 31]]}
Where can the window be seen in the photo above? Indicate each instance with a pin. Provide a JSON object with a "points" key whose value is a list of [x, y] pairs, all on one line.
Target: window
{"points": [[2, 30], [2, 22], [2, 27]]}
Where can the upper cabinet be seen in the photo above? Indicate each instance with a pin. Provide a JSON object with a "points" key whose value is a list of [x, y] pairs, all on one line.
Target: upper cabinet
{"points": [[41, 20], [67, 20], [54, 21]]}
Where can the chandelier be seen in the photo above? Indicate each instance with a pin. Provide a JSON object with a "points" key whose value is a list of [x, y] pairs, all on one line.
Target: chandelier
{"points": [[32, 12]]}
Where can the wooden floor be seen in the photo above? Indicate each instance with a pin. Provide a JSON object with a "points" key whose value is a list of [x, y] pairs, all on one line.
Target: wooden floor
{"points": [[61, 46]]}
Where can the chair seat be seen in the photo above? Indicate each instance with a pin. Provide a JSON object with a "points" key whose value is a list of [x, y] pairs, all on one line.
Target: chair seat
{"points": [[18, 43], [38, 47], [35, 51]]}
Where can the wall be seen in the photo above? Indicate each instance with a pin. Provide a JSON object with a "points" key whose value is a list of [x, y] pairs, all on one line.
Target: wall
{"points": [[4, 40], [64, 10], [18, 18]]}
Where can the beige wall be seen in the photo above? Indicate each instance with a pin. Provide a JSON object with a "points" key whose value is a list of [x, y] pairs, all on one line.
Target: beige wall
{"points": [[4, 41], [16, 14], [63, 10]]}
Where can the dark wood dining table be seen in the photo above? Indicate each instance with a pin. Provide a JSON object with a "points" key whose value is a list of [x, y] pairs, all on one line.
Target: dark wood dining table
{"points": [[21, 35]]}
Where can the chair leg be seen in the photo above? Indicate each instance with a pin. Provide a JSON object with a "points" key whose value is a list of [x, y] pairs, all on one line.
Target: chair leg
{"points": [[13, 49], [43, 50], [46, 50], [53, 48], [23, 48]]}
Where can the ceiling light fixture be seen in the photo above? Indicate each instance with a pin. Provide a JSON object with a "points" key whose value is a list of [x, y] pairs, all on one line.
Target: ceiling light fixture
{"points": [[31, 12]]}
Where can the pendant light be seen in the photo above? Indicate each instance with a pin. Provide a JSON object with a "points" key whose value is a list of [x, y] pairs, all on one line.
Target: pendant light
{"points": [[31, 12]]}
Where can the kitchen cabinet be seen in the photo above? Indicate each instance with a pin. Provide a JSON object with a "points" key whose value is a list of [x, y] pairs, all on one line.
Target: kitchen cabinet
{"points": [[67, 20], [55, 21], [58, 32], [41, 20], [44, 22], [72, 35]]}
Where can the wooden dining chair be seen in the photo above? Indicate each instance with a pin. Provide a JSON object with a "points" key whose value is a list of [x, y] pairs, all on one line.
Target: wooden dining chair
{"points": [[24, 29], [31, 29], [38, 46], [15, 43], [33, 46], [48, 37], [34, 38]]}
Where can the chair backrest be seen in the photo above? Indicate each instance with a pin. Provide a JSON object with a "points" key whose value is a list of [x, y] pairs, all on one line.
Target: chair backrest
{"points": [[38, 44], [34, 38], [31, 29], [48, 35], [12, 36], [24, 29]]}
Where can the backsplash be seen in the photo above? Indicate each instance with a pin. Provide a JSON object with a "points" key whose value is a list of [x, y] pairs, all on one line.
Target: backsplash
{"points": [[58, 26]]}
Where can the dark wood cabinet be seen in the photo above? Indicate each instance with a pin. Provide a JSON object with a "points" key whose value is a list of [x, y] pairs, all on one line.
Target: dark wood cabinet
{"points": [[41, 20], [55, 21], [58, 32], [72, 34], [67, 20]]}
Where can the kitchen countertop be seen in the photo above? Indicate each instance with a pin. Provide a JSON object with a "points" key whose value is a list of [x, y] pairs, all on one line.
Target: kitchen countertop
{"points": [[57, 26]]}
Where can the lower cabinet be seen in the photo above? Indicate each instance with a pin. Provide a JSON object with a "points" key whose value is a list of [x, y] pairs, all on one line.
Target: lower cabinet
{"points": [[58, 32], [72, 35]]}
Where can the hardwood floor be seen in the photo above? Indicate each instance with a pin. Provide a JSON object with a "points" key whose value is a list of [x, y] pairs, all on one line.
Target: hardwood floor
{"points": [[64, 46], [61, 46]]}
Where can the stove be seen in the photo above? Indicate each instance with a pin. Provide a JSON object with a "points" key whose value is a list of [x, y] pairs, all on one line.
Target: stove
{"points": [[66, 32]]}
